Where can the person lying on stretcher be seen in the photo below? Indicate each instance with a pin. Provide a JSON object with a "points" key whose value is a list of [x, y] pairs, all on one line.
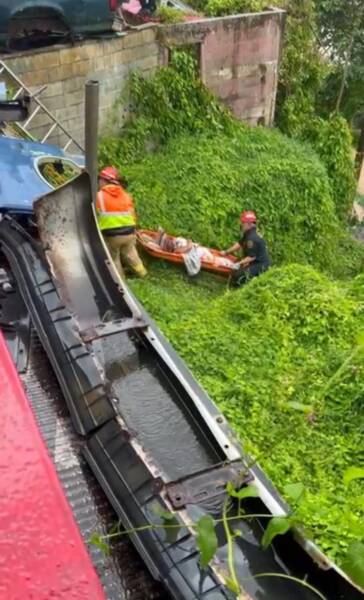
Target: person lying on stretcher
{"points": [[180, 245]]}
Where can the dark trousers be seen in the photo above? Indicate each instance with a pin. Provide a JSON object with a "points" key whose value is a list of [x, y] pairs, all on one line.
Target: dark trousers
{"points": [[245, 274]]}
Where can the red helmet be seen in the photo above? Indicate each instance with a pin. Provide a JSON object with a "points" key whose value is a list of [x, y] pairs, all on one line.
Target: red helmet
{"points": [[248, 216], [110, 174]]}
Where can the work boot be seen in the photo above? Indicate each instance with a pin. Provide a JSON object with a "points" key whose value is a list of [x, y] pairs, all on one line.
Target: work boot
{"points": [[140, 270]]}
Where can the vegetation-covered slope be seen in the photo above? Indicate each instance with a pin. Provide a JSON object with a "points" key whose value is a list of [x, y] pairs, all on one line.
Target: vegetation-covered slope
{"points": [[269, 355], [198, 187], [192, 169]]}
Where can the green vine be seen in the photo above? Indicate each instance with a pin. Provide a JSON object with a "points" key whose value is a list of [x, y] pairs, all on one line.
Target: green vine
{"points": [[206, 538], [267, 354], [281, 360]]}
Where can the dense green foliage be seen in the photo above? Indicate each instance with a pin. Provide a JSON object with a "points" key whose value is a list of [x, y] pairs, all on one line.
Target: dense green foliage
{"points": [[175, 102], [309, 86], [205, 183], [302, 85], [198, 186], [268, 354], [271, 354], [217, 8], [332, 140], [301, 100], [341, 30], [171, 103], [302, 70], [168, 14], [204, 167]]}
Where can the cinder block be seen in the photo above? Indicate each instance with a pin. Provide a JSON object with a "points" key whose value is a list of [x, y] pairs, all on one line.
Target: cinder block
{"points": [[40, 120], [137, 38], [100, 64], [144, 51], [54, 103], [74, 54], [113, 60], [93, 50], [114, 45], [73, 84], [148, 35], [150, 62], [126, 57], [60, 73], [80, 68], [39, 132], [52, 89], [45, 60], [76, 127], [66, 114], [36, 78], [20, 65], [74, 98]]}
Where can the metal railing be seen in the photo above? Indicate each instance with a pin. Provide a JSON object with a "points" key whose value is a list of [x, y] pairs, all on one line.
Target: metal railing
{"points": [[55, 124]]}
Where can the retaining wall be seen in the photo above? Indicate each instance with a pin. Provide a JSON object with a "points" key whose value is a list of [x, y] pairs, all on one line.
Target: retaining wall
{"points": [[65, 70], [239, 60]]}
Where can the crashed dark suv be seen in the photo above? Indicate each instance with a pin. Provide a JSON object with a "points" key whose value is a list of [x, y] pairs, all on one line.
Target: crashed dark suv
{"points": [[44, 20]]}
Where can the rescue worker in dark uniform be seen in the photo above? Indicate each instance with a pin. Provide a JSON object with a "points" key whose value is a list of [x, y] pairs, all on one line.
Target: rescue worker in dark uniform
{"points": [[254, 247]]}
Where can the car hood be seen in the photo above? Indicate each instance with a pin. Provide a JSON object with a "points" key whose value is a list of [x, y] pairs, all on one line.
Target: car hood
{"points": [[20, 182]]}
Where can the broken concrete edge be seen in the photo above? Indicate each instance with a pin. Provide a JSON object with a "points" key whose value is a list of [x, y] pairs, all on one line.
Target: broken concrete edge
{"points": [[251, 18], [280, 13]]}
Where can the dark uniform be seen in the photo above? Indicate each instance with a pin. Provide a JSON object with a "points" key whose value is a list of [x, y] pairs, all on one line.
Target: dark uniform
{"points": [[253, 245]]}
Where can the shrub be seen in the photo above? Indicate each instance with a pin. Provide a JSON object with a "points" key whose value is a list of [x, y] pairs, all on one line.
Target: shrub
{"points": [[269, 355], [197, 187], [217, 8], [168, 14], [174, 101], [332, 140]]}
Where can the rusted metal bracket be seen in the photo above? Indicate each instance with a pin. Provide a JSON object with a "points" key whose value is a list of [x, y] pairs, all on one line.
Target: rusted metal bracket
{"points": [[207, 485], [104, 329]]}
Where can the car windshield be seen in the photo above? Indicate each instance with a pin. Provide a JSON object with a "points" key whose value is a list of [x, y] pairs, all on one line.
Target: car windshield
{"points": [[57, 171]]}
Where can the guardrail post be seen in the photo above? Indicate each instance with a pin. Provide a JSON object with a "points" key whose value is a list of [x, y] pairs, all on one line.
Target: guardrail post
{"points": [[92, 132]]}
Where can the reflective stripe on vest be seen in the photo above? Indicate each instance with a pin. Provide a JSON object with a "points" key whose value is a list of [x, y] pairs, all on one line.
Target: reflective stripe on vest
{"points": [[113, 220]]}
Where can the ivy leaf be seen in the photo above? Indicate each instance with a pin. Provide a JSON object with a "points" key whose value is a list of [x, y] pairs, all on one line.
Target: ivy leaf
{"points": [[300, 407], [353, 473], [276, 526], [353, 563], [360, 339], [206, 539], [248, 491], [163, 514], [97, 541], [170, 521], [294, 491]]}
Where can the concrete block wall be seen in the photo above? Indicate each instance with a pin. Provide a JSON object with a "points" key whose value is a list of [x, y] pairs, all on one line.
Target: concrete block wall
{"points": [[65, 70], [239, 60]]}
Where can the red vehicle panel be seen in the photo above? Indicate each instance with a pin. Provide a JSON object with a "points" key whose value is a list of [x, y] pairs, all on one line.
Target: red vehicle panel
{"points": [[42, 554]]}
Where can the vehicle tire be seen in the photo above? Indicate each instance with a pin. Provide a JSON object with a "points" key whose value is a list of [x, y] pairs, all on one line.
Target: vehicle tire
{"points": [[36, 28]]}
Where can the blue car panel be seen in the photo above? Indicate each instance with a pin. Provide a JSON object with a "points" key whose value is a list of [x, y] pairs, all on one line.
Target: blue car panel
{"points": [[20, 180]]}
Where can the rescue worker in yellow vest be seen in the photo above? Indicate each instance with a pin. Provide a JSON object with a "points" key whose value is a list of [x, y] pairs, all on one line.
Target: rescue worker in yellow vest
{"points": [[117, 221]]}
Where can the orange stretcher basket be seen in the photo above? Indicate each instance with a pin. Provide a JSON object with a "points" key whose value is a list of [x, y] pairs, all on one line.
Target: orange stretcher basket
{"points": [[144, 237]]}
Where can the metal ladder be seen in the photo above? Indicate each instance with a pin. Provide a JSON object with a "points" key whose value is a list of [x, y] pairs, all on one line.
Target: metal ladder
{"points": [[12, 78]]}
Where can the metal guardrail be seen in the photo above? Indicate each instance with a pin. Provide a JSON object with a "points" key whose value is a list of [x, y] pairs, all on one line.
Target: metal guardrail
{"points": [[22, 89]]}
